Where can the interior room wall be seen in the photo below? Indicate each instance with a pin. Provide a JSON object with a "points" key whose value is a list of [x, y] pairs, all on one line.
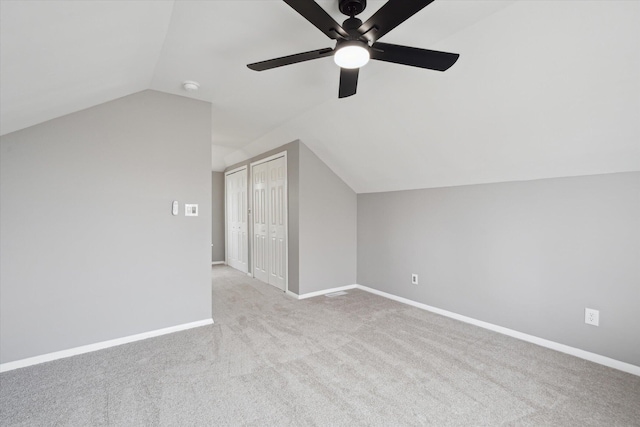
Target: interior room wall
{"points": [[217, 217], [529, 256], [328, 214], [90, 249], [322, 222]]}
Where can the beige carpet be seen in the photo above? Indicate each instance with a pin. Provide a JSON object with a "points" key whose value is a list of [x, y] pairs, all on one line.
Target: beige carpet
{"points": [[357, 359]]}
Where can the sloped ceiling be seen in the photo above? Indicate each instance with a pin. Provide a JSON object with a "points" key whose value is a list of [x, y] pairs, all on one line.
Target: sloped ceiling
{"points": [[57, 57], [542, 89]]}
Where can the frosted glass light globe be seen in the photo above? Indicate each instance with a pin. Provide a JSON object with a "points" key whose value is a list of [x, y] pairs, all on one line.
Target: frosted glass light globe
{"points": [[351, 56]]}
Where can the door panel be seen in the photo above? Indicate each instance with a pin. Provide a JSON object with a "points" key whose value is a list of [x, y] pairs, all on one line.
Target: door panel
{"points": [[277, 222], [270, 221], [260, 226], [237, 238]]}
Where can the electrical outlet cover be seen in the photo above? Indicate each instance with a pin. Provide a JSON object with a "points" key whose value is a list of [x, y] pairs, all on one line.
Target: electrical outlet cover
{"points": [[591, 317]]}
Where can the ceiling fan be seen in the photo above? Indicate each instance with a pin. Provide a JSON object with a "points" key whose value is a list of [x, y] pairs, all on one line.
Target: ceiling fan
{"points": [[356, 42]]}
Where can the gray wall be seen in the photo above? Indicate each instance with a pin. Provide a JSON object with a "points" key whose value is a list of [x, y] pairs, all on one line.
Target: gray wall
{"points": [[529, 256], [293, 192], [327, 233], [90, 250], [322, 222], [217, 216]]}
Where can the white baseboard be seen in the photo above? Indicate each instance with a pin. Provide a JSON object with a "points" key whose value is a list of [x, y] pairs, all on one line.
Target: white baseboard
{"points": [[217, 263], [9, 366], [582, 354], [325, 291], [291, 294]]}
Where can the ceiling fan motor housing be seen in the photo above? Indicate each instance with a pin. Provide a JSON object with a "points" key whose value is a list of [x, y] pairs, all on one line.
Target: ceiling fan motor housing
{"points": [[351, 26], [352, 7]]}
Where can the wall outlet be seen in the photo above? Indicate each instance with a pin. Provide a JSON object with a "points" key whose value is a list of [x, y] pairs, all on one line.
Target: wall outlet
{"points": [[591, 317], [414, 279]]}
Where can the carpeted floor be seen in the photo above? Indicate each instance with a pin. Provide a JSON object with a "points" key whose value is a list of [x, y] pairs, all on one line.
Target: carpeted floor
{"points": [[356, 359]]}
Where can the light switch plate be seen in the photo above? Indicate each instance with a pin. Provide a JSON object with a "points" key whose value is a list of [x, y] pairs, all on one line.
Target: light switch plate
{"points": [[190, 210]]}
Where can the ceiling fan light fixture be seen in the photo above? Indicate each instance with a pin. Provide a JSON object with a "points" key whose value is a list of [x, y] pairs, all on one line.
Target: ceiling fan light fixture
{"points": [[352, 55]]}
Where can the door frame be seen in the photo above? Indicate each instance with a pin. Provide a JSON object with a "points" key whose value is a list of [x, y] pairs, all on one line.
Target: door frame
{"points": [[226, 223], [286, 203]]}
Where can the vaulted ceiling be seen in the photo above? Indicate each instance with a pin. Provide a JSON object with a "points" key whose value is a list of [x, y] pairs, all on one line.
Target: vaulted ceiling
{"points": [[542, 89]]}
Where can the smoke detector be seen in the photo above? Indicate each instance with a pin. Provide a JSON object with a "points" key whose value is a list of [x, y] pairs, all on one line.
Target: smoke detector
{"points": [[190, 86]]}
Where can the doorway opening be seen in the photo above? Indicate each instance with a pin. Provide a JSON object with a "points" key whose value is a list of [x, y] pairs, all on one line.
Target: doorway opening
{"points": [[263, 215]]}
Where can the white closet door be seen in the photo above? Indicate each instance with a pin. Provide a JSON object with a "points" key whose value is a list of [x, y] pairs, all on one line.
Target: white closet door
{"points": [[237, 238], [277, 219], [260, 223], [269, 181]]}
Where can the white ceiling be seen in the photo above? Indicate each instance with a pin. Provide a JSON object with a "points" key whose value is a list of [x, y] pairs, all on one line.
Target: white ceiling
{"points": [[542, 89]]}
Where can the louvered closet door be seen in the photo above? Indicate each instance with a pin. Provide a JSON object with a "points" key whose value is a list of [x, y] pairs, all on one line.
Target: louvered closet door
{"points": [[277, 222], [260, 224]]}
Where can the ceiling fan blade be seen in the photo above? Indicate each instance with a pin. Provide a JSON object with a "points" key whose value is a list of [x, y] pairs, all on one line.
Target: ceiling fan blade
{"points": [[389, 16], [348, 82], [315, 14], [405, 55], [291, 59]]}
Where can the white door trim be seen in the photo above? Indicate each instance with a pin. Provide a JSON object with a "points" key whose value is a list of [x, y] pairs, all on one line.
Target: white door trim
{"points": [[232, 171], [286, 202], [268, 159]]}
